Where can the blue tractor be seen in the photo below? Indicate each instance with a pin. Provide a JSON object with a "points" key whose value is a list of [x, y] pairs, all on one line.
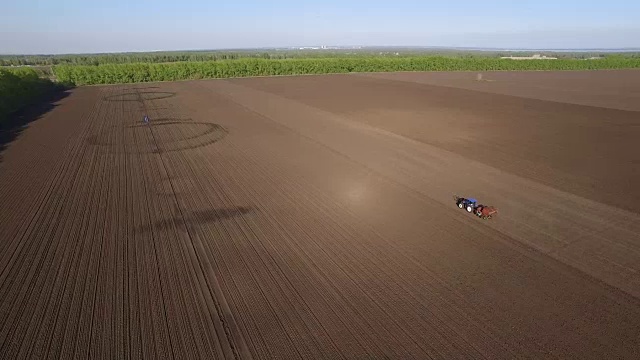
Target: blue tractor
{"points": [[467, 204]]}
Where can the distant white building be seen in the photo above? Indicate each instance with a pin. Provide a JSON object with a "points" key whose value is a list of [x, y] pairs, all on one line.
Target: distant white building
{"points": [[533, 57]]}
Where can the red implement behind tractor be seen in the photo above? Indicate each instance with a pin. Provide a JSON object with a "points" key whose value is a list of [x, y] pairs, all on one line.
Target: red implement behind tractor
{"points": [[485, 212]]}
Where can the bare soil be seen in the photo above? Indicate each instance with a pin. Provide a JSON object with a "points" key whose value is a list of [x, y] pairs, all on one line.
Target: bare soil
{"points": [[313, 217]]}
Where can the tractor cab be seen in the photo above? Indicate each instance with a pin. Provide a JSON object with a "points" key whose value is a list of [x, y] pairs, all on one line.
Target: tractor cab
{"points": [[467, 204]]}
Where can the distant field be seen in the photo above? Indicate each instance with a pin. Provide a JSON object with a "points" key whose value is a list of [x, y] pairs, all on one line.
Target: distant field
{"points": [[313, 217]]}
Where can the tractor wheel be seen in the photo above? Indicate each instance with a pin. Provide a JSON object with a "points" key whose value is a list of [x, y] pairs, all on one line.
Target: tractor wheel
{"points": [[469, 208], [460, 205]]}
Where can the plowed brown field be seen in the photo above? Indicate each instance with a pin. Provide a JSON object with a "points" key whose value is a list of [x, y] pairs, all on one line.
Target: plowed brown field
{"points": [[312, 217]]}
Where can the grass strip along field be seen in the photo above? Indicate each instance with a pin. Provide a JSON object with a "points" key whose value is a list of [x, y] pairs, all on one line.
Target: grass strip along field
{"points": [[20, 87], [148, 72]]}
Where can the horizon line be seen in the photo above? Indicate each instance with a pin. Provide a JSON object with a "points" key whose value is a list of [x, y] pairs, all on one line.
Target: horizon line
{"points": [[341, 47]]}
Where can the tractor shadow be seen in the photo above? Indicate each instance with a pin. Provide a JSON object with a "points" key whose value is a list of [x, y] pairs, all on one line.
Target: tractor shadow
{"points": [[17, 122], [200, 217]]}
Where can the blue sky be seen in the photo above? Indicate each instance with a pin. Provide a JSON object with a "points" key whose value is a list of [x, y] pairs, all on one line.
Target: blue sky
{"points": [[77, 26]]}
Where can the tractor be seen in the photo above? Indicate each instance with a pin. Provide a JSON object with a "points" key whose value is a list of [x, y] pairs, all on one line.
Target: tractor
{"points": [[467, 204], [472, 206]]}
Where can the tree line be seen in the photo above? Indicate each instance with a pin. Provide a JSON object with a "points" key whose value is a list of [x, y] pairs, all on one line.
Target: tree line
{"points": [[200, 56], [100, 59], [147, 72]]}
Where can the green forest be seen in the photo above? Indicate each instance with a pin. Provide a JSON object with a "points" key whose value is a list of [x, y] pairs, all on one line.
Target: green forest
{"points": [[221, 55], [146, 72]]}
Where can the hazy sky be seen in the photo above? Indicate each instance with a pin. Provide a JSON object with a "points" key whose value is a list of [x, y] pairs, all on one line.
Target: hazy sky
{"points": [[76, 26]]}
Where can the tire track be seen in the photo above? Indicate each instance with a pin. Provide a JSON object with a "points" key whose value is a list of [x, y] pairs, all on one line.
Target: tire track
{"points": [[182, 160], [164, 173]]}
